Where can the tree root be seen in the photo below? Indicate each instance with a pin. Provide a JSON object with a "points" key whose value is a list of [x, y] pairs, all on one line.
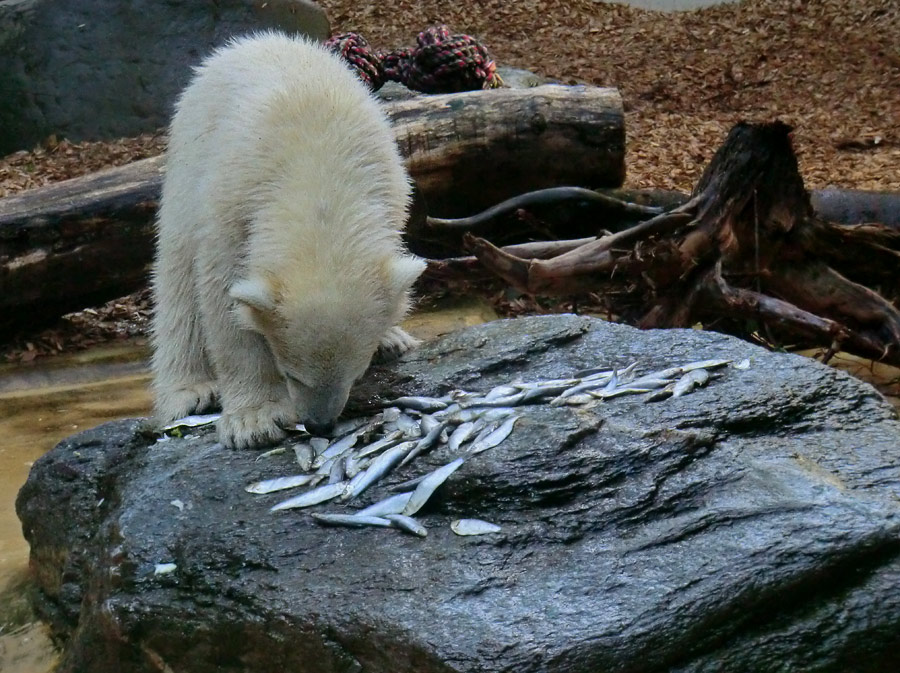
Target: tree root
{"points": [[746, 247]]}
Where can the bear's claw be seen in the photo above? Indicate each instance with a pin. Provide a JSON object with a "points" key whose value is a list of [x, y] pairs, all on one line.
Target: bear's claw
{"points": [[252, 427], [180, 402], [395, 343]]}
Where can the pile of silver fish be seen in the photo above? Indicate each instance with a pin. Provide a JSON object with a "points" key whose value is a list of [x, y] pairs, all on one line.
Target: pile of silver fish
{"points": [[364, 450]]}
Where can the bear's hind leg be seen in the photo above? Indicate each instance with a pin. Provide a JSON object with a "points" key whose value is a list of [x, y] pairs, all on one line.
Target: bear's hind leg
{"points": [[183, 381]]}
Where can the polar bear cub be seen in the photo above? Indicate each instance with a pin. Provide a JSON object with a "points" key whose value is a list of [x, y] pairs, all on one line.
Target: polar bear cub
{"points": [[279, 267]]}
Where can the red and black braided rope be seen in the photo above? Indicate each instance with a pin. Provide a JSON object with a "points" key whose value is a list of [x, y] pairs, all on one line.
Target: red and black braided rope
{"points": [[439, 63]]}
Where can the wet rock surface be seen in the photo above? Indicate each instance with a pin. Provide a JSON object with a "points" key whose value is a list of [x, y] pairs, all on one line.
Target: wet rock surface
{"points": [[749, 526]]}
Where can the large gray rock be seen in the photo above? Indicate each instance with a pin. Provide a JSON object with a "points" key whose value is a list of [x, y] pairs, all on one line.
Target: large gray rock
{"points": [[92, 69], [749, 526]]}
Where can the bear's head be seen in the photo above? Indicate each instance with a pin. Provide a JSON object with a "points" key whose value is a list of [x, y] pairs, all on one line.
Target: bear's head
{"points": [[323, 331]]}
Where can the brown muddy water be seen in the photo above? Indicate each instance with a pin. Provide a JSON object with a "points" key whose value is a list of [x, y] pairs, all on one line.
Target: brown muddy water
{"points": [[42, 403]]}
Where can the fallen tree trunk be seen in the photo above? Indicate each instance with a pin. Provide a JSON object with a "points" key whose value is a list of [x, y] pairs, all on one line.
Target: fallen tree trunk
{"points": [[745, 253], [87, 240]]}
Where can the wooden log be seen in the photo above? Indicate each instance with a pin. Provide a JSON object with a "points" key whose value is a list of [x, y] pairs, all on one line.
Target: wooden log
{"points": [[89, 239]]}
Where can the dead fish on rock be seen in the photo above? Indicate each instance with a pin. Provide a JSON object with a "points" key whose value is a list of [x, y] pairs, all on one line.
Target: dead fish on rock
{"points": [[473, 527], [696, 378], [407, 523], [423, 404], [192, 421], [386, 462], [495, 437], [392, 505], [314, 497], [279, 483], [350, 520], [429, 485], [305, 456]]}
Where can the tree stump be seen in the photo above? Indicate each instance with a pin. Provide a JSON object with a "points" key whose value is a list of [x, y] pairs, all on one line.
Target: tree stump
{"points": [[746, 254]]}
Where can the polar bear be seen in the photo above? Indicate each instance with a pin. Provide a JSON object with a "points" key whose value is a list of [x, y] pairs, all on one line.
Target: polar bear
{"points": [[279, 267]]}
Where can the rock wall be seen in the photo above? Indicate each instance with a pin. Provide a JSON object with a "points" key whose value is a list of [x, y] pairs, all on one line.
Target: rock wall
{"points": [[93, 69]]}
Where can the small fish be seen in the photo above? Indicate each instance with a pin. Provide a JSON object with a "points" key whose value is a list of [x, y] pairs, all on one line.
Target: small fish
{"points": [[579, 389], [424, 444], [192, 421], [386, 462], [349, 425], [428, 423], [390, 505], [385, 442], [279, 484], [271, 452], [353, 465], [696, 378], [650, 382], [337, 448], [407, 523], [500, 391], [423, 404], [337, 472], [473, 527], [409, 426], [627, 389], [350, 520], [449, 411], [310, 498], [508, 401], [319, 444], [428, 486], [463, 432], [684, 369], [538, 392], [576, 400], [473, 414], [305, 455], [325, 468], [496, 437], [164, 568]]}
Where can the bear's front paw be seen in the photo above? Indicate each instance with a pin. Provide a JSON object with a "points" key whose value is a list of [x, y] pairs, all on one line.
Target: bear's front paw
{"points": [[180, 402], [395, 343], [251, 427]]}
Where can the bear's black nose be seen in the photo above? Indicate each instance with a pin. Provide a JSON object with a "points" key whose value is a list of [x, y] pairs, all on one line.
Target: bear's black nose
{"points": [[319, 429]]}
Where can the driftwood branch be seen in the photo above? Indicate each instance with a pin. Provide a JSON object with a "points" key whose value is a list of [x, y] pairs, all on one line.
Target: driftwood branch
{"points": [[746, 247]]}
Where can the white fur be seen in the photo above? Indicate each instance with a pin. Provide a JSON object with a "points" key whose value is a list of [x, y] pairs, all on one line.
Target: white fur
{"points": [[280, 268]]}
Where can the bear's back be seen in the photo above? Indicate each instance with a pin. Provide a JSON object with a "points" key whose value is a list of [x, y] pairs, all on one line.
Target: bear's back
{"points": [[279, 122]]}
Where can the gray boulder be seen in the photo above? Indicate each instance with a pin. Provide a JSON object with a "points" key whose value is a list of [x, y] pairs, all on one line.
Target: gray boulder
{"points": [[751, 525], [93, 69]]}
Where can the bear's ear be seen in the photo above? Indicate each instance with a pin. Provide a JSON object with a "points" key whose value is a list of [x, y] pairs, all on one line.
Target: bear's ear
{"points": [[404, 271], [253, 299]]}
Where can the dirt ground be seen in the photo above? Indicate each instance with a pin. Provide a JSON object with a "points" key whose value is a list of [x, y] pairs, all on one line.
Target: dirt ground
{"points": [[831, 68]]}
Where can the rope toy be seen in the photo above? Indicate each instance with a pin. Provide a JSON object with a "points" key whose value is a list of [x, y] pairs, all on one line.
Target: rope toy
{"points": [[439, 63]]}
